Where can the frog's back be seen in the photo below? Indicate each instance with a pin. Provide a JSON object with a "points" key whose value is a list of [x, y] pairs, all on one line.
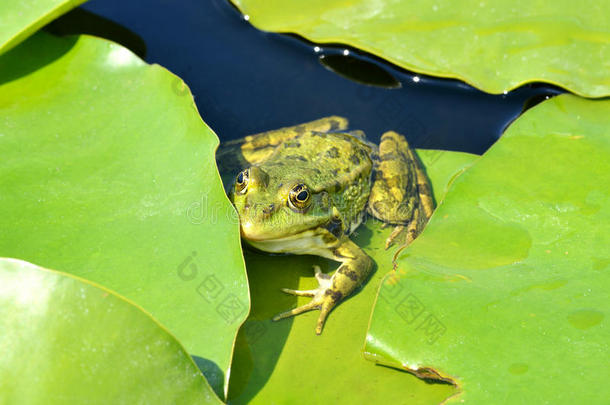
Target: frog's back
{"points": [[324, 161]]}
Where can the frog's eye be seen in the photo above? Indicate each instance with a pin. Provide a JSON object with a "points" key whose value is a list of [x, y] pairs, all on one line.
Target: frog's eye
{"points": [[300, 196], [241, 181]]}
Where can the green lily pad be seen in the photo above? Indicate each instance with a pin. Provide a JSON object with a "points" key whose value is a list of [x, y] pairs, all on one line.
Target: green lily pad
{"points": [[506, 291], [287, 361], [66, 339], [20, 19], [108, 173], [495, 46]]}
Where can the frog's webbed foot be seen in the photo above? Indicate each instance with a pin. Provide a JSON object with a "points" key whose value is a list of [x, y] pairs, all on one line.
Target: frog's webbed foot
{"points": [[323, 282], [405, 234], [320, 299], [355, 268]]}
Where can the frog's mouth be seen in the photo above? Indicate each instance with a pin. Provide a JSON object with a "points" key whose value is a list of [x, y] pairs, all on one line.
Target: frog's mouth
{"points": [[253, 230], [248, 232]]}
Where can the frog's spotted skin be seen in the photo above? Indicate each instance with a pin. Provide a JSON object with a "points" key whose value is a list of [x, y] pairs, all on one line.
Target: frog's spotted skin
{"points": [[401, 192], [305, 188], [236, 155]]}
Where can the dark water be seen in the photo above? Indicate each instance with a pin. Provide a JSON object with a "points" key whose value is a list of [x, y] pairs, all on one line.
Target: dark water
{"points": [[247, 81]]}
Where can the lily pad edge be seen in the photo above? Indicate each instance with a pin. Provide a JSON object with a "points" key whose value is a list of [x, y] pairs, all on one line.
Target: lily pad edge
{"points": [[409, 66], [120, 297], [426, 373], [34, 26], [186, 88]]}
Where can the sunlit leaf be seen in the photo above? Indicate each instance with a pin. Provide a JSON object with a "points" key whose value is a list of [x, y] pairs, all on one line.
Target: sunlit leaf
{"points": [[21, 18], [493, 45], [506, 291], [108, 173], [64, 339]]}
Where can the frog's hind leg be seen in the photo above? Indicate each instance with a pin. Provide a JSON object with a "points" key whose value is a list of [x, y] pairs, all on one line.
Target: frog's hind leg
{"points": [[354, 270], [401, 193]]}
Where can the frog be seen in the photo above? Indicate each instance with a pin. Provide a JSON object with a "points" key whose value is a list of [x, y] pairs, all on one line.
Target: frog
{"points": [[305, 189]]}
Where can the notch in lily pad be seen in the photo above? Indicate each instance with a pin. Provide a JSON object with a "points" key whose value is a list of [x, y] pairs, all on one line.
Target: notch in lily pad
{"points": [[359, 70], [81, 21]]}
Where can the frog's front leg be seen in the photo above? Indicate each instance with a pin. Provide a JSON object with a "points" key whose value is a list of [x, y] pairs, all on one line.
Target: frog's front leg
{"points": [[354, 270]]}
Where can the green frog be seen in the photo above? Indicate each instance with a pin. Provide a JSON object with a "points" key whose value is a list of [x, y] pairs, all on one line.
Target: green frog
{"points": [[305, 189]]}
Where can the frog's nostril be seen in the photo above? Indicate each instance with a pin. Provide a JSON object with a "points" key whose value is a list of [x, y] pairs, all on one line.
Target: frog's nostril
{"points": [[268, 210]]}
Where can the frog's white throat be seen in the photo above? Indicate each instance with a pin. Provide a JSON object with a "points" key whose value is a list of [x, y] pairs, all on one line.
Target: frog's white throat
{"points": [[317, 241], [310, 242]]}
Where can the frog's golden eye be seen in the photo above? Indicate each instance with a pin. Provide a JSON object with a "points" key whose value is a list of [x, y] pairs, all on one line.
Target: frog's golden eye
{"points": [[300, 196], [241, 181]]}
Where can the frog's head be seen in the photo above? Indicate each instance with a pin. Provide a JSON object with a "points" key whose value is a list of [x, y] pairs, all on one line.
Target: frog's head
{"points": [[274, 204]]}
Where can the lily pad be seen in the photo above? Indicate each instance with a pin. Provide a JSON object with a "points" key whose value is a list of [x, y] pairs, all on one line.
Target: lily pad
{"points": [[20, 19], [65, 338], [506, 291], [495, 46], [108, 173], [286, 360]]}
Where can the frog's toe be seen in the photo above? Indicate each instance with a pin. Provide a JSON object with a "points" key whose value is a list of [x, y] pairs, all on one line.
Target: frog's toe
{"points": [[302, 293], [323, 278], [296, 311], [320, 300], [396, 232], [324, 311]]}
